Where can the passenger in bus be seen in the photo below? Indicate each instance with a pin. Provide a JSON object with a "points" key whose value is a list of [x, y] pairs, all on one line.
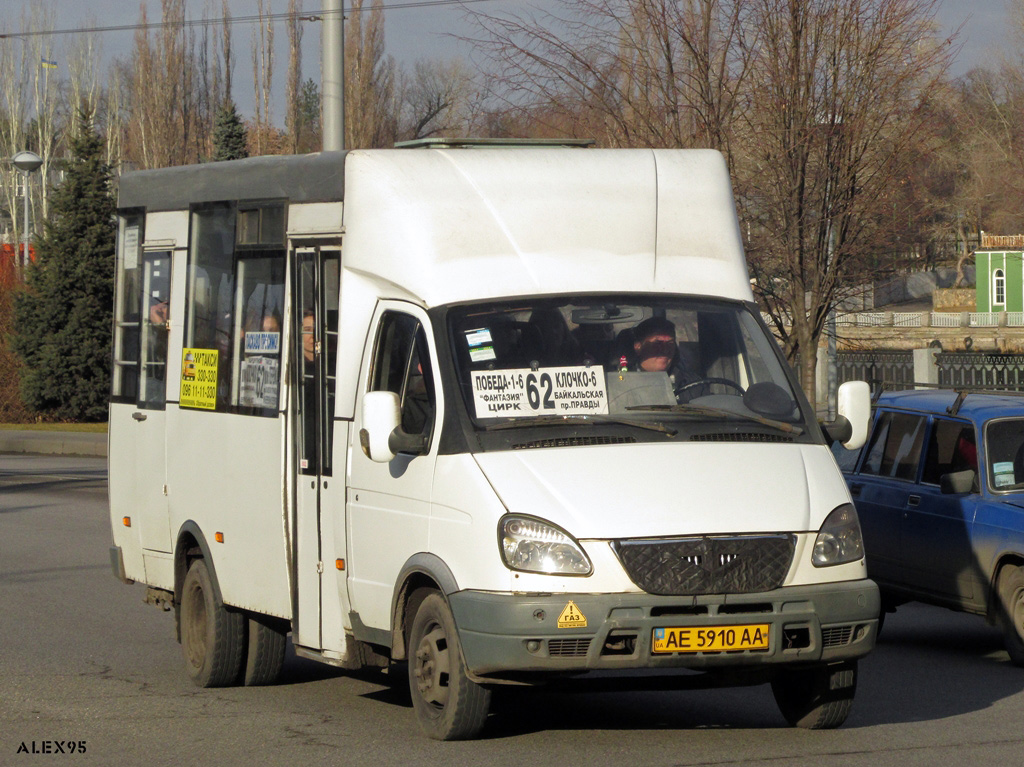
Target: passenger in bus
{"points": [[271, 323], [308, 337], [656, 350]]}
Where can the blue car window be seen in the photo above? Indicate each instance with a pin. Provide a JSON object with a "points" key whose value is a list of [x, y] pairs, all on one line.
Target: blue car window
{"points": [[896, 446], [1004, 444], [952, 447]]}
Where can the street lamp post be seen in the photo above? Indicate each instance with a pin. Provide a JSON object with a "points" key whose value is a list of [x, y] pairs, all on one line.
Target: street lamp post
{"points": [[27, 163]]}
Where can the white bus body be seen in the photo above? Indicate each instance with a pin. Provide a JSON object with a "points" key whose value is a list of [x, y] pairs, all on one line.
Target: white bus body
{"points": [[407, 405]]}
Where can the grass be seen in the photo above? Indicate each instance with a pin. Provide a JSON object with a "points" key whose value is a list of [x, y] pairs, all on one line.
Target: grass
{"points": [[85, 427]]}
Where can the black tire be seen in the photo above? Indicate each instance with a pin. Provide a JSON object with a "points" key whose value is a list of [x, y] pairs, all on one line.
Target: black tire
{"points": [[1011, 611], [448, 704], [817, 698], [212, 636], [265, 654]]}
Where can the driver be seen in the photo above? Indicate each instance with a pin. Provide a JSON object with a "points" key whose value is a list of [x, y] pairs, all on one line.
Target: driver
{"points": [[656, 350]]}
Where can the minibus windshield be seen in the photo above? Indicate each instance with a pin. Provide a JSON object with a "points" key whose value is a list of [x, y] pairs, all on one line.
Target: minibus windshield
{"points": [[620, 359]]}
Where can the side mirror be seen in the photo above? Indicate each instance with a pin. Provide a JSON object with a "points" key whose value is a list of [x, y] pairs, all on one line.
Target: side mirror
{"points": [[853, 415], [382, 436], [381, 416], [957, 482]]}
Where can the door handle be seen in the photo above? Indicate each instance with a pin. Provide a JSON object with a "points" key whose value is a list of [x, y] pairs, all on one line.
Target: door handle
{"points": [[139, 416], [914, 500], [855, 490]]}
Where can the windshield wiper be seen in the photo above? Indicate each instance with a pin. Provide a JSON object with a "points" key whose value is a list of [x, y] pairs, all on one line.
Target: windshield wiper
{"points": [[572, 420], [782, 426]]}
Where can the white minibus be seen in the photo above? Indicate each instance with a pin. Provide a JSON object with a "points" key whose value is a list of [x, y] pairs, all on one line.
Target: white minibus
{"points": [[504, 414]]}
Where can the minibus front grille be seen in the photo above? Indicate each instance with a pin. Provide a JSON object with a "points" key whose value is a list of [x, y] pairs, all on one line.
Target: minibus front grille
{"points": [[573, 442], [734, 564]]}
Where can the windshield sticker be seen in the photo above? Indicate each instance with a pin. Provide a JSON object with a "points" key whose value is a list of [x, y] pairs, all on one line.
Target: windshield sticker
{"points": [[482, 354], [478, 337], [1003, 473], [547, 391], [262, 343]]}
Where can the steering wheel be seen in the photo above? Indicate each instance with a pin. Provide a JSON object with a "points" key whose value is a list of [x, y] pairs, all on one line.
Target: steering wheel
{"points": [[704, 381]]}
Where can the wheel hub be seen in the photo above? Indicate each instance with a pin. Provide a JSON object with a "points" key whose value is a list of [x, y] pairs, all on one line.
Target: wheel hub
{"points": [[432, 670]]}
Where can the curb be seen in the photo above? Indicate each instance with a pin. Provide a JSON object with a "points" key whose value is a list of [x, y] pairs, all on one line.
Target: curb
{"points": [[53, 442]]}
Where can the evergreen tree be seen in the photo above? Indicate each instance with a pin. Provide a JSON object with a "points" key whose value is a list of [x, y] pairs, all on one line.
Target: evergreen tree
{"points": [[63, 317], [229, 137]]}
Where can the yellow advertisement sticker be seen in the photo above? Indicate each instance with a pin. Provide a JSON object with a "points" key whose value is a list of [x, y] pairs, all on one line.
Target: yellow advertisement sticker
{"points": [[198, 378], [571, 617]]}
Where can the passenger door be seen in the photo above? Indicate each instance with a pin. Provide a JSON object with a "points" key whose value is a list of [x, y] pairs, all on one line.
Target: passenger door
{"points": [[883, 488], [389, 503], [936, 532], [319, 481]]}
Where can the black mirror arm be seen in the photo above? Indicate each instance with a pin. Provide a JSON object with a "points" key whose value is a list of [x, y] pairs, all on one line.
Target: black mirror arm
{"points": [[401, 442], [840, 430]]}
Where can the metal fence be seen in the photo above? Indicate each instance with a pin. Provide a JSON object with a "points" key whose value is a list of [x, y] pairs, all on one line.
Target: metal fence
{"points": [[955, 369], [896, 369], [980, 369]]}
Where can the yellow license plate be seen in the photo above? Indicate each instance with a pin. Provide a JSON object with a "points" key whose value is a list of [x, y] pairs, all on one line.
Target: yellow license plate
{"points": [[711, 638]]}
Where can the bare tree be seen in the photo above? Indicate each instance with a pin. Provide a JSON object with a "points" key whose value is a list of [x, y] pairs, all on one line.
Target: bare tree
{"points": [[370, 109], [838, 92], [262, 79], [438, 99], [627, 72]]}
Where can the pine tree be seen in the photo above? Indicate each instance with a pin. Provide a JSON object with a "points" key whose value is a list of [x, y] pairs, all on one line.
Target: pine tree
{"points": [[63, 318], [229, 136]]}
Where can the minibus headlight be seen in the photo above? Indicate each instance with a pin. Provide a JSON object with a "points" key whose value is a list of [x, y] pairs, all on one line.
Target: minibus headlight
{"points": [[839, 539], [536, 546]]}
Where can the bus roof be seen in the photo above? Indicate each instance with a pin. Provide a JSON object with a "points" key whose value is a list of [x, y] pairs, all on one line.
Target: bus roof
{"points": [[448, 225]]}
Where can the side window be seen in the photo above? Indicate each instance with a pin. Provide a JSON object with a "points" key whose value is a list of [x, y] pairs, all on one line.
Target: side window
{"points": [[402, 365], [128, 309], [847, 459], [156, 295], [235, 305], [951, 447], [895, 448]]}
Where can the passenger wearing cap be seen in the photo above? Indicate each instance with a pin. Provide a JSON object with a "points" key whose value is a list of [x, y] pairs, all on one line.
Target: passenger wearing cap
{"points": [[656, 350]]}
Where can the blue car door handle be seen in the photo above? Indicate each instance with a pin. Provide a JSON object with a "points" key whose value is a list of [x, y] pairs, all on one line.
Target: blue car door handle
{"points": [[855, 489], [914, 500]]}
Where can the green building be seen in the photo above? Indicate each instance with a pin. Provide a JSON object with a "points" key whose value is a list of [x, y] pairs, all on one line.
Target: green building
{"points": [[1000, 280]]}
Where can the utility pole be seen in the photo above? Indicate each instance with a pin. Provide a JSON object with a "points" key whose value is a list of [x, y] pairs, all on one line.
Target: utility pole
{"points": [[332, 89]]}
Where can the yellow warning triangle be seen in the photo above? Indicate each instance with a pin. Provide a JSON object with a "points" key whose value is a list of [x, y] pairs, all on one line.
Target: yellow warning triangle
{"points": [[571, 617]]}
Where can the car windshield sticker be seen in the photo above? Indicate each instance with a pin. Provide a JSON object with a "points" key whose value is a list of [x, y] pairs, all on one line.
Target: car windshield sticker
{"points": [[1003, 472], [546, 391], [481, 346]]}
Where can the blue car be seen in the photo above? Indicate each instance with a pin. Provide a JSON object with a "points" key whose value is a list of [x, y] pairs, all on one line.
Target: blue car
{"points": [[939, 488]]}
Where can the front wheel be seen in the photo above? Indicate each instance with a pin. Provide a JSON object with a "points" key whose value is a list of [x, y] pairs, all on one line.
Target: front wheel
{"points": [[212, 636], [817, 698], [1011, 611], [448, 704]]}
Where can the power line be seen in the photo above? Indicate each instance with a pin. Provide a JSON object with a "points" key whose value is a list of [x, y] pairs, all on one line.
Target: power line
{"points": [[300, 15]]}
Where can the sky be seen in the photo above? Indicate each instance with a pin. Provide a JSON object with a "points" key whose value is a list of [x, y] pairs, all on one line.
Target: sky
{"points": [[419, 32]]}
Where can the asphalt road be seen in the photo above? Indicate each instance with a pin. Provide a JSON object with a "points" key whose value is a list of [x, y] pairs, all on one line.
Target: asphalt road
{"points": [[84, 661]]}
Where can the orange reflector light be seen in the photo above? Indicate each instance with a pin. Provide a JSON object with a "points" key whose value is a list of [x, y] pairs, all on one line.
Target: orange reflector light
{"points": [[340, 564], [127, 521], [219, 537]]}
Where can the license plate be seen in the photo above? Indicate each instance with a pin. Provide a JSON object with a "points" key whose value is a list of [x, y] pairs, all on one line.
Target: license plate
{"points": [[711, 638]]}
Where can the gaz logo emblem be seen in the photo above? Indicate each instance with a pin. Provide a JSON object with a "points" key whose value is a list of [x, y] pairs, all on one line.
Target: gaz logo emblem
{"points": [[571, 617]]}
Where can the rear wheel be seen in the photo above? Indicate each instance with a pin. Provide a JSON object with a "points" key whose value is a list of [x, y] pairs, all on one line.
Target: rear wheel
{"points": [[817, 698], [448, 704], [265, 654], [212, 636], [1011, 612]]}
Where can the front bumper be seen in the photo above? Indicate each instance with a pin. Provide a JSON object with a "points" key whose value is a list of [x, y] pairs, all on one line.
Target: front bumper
{"points": [[507, 635]]}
